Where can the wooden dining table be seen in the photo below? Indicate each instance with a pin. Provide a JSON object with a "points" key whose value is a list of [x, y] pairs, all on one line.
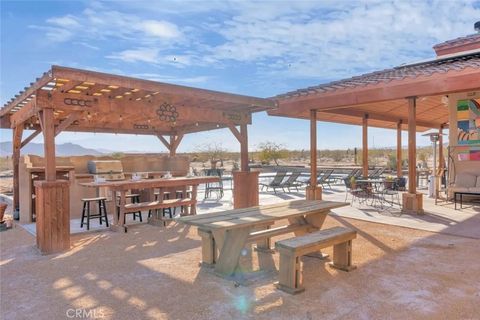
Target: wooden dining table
{"points": [[225, 234], [163, 184]]}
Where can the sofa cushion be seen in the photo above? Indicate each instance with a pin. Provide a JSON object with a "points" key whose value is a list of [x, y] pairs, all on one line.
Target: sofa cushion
{"points": [[459, 189], [474, 190], [478, 182], [465, 180]]}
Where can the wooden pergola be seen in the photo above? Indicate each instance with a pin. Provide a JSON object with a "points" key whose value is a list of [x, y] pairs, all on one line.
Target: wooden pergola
{"points": [[410, 97], [66, 99]]}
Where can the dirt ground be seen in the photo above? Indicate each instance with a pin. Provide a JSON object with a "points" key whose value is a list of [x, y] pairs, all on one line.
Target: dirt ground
{"points": [[153, 273]]}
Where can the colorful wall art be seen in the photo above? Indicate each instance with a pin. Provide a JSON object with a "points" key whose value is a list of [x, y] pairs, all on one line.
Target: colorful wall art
{"points": [[468, 124]]}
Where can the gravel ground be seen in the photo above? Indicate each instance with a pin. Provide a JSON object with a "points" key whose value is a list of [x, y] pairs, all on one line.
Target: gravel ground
{"points": [[153, 273]]}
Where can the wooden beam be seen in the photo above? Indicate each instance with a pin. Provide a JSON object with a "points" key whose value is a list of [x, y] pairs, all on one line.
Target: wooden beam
{"points": [[40, 119], [164, 141], [162, 88], [399, 149], [16, 142], [30, 138], [244, 149], [174, 143], [377, 116], [71, 118], [46, 77], [49, 144], [412, 145], [467, 79], [313, 148], [236, 133], [365, 145], [25, 113]]}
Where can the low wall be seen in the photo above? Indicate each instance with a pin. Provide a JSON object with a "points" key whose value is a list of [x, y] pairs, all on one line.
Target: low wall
{"points": [[178, 166]]}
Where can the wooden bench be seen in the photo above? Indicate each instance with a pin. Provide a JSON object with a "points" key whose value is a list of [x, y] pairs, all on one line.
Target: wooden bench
{"points": [[157, 205], [291, 251]]}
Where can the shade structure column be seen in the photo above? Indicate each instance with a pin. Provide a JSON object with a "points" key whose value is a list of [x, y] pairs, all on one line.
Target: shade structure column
{"points": [[412, 201], [441, 160], [365, 144], [52, 197], [313, 191], [245, 183], [17, 143], [399, 149]]}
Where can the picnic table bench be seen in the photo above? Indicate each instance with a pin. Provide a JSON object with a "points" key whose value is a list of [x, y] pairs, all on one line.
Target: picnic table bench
{"points": [[225, 234]]}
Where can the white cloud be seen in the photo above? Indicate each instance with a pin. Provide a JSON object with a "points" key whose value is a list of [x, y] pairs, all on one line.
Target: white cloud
{"points": [[161, 29], [296, 39], [170, 79], [67, 21], [137, 55], [99, 22]]}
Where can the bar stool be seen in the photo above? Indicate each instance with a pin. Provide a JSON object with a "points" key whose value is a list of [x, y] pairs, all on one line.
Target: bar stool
{"points": [[134, 198], [179, 195], [166, 196], [102, 211]]}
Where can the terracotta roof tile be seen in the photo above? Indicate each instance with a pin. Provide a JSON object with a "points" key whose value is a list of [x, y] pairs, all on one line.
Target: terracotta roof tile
{"points": [[458, 41], [399, 73]]}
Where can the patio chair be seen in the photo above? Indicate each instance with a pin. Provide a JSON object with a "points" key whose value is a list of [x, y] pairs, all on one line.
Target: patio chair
{"points": [[325, 178], [392, 190], [292, 181], [216, 187], [355, 191], [377, 173], [276, 182]]}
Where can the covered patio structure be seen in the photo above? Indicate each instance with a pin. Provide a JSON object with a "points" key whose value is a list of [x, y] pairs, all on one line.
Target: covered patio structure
{"points": [[66, 99], [414, 97]]}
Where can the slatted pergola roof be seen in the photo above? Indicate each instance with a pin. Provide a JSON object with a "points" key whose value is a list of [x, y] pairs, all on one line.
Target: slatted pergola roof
{"points": [[381, 94], [87, 101]]}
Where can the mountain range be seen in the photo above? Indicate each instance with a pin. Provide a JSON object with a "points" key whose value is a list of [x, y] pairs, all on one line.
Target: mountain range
{"points": [[61, 150]]}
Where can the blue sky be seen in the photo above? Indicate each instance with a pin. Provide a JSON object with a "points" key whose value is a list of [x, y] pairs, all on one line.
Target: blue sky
{"points": [[254, 48]]}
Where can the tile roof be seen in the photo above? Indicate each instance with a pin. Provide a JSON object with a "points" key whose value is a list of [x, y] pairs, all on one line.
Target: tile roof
{"points": [[428, 68], [457, 42]]}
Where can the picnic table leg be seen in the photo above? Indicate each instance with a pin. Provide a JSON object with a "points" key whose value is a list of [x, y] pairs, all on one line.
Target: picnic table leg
{"points": [[209, 252], [156, 218], [265, 245], [119, 221], [316, 220], [234, 241]]}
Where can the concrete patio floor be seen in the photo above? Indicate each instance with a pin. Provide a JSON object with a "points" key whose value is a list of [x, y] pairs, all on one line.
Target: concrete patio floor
{"points": [[441, 218]]}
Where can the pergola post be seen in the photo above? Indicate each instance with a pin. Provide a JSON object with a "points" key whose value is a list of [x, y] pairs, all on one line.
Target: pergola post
{"points": [[365, 144], [412, 201], [52, 196], [313, 191], [399, 149], [441, 160], [17, 144], [245, 183]]}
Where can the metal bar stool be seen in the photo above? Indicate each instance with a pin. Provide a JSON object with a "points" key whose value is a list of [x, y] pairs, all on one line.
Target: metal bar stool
{"points": [[166, 196], [102, 211]]}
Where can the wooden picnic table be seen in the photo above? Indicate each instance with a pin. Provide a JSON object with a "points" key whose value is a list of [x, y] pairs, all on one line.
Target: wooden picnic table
{"points": [[122, 186], [229, 231]]}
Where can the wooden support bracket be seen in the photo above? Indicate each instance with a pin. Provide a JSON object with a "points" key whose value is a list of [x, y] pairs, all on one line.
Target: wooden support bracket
{"points": [[72, 117]]}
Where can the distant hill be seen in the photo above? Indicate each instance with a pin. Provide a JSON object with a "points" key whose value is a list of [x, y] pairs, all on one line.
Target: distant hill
{"points": [[61, 150]]}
